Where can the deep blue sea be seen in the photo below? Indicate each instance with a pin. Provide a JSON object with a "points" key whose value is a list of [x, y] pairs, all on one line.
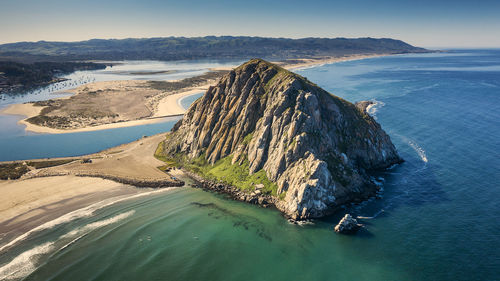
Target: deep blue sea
{"points": [[438, 218]]}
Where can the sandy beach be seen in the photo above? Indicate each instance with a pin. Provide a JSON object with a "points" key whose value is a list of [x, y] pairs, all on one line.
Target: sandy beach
{"points": [[159, 105], [29, 110], [28, 202], [166, 108], [24, 109], [305, 63], [39, 197], [170, 105], [35, 204], [131, 160], [49, 196]]}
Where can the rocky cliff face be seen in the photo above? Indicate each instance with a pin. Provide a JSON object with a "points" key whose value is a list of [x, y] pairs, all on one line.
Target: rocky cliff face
{"points": [[316, 147]]}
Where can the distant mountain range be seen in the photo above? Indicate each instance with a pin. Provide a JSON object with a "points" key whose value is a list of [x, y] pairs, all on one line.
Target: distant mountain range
{"points": [[209, 47]]}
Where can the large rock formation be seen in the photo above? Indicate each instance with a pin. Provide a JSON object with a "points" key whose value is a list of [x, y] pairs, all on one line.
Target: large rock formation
{"points": [[316, 147], [347, 225]]}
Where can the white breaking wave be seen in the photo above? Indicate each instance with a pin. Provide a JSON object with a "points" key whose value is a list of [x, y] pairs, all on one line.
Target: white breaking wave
{"points": [[364, 218], [372, 217], [373, 108], [77, 214], [310, 66], [95, 225], [420, 151], [25, 263], [72, 242]]}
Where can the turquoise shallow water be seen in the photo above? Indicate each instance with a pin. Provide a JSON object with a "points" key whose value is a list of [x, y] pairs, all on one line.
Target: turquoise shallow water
{"points": [[437, 220], [187, 101]]}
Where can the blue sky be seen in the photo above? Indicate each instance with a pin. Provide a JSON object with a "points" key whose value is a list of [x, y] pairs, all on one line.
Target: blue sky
{"points": [[418, 22]]}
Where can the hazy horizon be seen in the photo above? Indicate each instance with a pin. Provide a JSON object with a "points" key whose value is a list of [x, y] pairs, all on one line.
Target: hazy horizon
{"points": [[230, 35], [447, 24]]}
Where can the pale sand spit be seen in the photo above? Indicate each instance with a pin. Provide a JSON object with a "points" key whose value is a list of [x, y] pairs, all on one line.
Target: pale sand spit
{"points": [[170, 105], [167, 106]]}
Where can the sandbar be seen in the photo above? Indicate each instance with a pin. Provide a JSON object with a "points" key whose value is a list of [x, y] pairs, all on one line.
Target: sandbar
{"points": [[149, 110]]}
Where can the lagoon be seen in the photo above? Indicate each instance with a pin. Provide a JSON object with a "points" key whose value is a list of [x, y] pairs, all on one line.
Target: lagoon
{"points": [[436, 220]]}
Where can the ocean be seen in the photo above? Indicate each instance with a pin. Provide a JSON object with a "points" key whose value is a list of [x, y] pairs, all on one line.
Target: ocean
{"points": [[437, 218]]}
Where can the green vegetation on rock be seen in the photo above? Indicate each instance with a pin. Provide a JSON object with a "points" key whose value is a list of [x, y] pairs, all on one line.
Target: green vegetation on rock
{"points": [[236, 175], [159, 154], [247, 139], [300, 139]]}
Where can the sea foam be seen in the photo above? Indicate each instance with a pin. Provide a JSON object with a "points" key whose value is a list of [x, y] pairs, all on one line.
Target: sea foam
{"points": [[420, 151], [77, 214], [417, 148], [373, 108], [25, 263]]}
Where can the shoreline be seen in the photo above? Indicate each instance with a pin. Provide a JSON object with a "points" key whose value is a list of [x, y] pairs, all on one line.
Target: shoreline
{"points": [[45, 194], [48, 202], [171, 104], [12, 110], [32, 202], [167, 107], [308, 63], [49, 193]]}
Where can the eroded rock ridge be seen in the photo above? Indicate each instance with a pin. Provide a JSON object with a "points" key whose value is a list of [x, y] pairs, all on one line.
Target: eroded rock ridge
{"points": [[317, 148]]}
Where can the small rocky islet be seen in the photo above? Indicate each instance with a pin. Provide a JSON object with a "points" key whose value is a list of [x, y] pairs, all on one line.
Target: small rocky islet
{"points": [[271, 137]]}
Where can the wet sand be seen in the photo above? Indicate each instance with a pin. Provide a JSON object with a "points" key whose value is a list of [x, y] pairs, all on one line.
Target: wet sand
{"points": [[32, 202], [38, 197]]}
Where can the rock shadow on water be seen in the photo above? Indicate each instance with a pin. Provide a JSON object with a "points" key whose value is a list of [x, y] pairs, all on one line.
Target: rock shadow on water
{"points": [[412, 183], [238, 220], [364, 232]]}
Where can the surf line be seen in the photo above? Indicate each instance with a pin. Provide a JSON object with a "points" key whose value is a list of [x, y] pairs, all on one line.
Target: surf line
{"points": [[374, 107], [24, 264], [420, 151], [80, 213], [417, 148]]}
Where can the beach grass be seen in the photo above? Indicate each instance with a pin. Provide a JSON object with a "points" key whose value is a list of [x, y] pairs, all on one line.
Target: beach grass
{"points": [[12, 171], [15, 170], [46, 164]]}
